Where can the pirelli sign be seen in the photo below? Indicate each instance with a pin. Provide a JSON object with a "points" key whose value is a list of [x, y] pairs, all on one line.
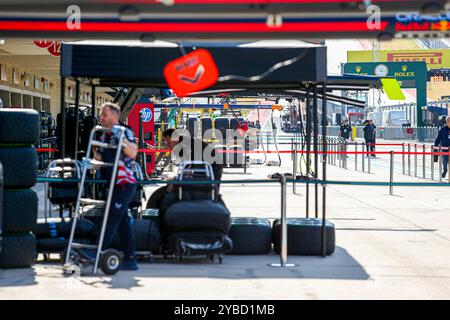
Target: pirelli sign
{"points": [[435, 59]]}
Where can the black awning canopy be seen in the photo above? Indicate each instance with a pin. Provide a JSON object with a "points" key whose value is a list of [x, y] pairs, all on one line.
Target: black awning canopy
{"points": [[138, 64]]}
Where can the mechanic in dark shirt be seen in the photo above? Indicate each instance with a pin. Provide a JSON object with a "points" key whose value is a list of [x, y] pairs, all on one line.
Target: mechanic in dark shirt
{"points": [[118, 220], [369, 134], [374, 135], [443, 139], [344, 132]]}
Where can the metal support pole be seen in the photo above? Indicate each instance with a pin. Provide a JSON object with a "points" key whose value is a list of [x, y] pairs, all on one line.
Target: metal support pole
{"points": [[345, 155], [331, 148], [339, 149], [246, 144], [391, 187], [440, 164], [369, 164], [292, 149], [328, 145], [324, 171], [409, 159], [308, 148], [63, 117], [77, 121], [93, 101], [319, 141], [424, 162], [336, 149], [363, 162], [448, 174], [403, 159], [432, 162], [415, 160], [316, 154], [284, 229], [356, 156], [294, 169]]}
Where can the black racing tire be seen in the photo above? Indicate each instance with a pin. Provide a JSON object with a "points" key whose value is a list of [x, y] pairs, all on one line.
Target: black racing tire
{"points": [[147, 236], [56, 245], [206, 124], [192, 125], [19, 166], [200, 215], [51, 245], [19, 126], [18, 251], [304, 236], [20, 211], [251, 236], [57, 228], [155, 199], [222, 123], [110, 261]]}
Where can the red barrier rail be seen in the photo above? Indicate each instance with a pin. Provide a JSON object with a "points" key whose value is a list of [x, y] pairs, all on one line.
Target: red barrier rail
{"points": [[46, 150], [289, 152]]}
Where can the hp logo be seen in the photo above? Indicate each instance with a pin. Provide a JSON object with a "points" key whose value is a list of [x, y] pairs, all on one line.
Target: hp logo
{"points": [[146, 114]]}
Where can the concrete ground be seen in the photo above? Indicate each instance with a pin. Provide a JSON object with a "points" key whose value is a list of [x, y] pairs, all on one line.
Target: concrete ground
{"points": [[388, 247]]}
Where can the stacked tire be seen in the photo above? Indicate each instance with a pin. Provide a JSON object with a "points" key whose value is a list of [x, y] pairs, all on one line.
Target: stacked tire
{"points": [[206, 125], [251, 236], [19, 132], [255, 236], [53, 234], [221, 125], [304, 236]]}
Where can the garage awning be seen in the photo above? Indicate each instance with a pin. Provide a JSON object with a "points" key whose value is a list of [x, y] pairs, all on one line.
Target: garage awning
{"points": [[140, 64]]}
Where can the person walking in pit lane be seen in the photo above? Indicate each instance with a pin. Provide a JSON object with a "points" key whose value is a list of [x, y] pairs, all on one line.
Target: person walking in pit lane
{"points": [[369, 137], [118, 220], [374, 136], [443, 140], [344, 132]]}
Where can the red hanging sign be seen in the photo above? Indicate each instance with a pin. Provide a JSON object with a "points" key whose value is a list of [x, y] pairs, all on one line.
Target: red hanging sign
{"points": [[191, 73], [43, 43], [54, 47]]}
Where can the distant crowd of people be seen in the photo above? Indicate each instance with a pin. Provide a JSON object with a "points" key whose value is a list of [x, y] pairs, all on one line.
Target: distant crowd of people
{"points": [[369, 129]]}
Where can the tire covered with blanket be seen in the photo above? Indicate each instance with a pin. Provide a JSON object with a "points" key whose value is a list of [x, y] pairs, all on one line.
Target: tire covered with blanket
{"points": [[202, 215]]}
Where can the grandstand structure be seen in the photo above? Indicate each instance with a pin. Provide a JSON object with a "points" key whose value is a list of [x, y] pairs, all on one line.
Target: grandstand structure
{"points": [[438, 86]]}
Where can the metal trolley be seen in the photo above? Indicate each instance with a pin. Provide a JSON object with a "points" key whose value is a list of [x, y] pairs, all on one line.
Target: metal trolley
{"points": [[108, 260]]}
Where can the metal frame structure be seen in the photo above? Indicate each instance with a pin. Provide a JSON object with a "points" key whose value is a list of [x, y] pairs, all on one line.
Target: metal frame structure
{"points": [[297, 82], [216, 19], [88, 165]]}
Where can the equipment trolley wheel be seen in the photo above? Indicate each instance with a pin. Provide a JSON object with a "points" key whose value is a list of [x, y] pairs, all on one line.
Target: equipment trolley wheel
{"points": [[110, 261]]}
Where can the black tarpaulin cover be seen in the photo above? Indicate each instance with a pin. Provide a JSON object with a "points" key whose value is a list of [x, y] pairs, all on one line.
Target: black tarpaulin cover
{"points": [[141, 64]]}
